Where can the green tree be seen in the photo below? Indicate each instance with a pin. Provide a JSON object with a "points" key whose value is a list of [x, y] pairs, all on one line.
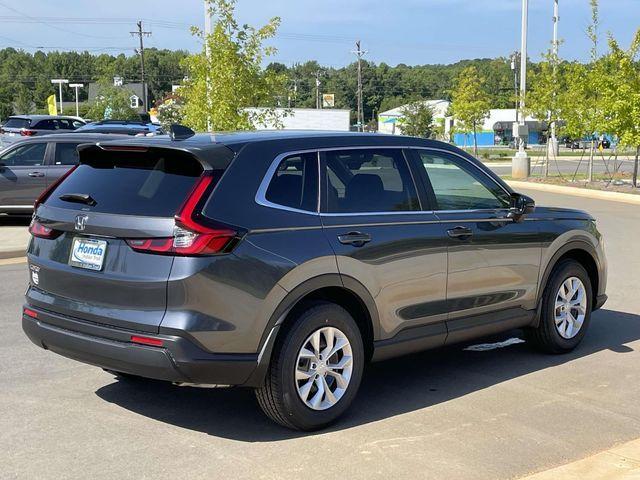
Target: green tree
{"points": [[621, 95], [470, 102], [112, 102], [581, 105], [23, 102], [418, 120], [224, 83]]}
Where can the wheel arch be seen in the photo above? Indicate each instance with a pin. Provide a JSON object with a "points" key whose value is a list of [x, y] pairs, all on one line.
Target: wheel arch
{"points": [[582, 252], [341, 290]]}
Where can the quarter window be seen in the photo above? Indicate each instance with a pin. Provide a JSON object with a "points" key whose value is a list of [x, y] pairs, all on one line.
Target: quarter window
{"points": [[295, 183], [458, 186], [369, 180]]}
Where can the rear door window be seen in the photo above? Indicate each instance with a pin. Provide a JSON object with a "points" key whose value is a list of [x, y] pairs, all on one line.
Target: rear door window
{"points": [[30, 155], [369, 180], [295, 183], [66, 154], [130, 183], [46, 125]]}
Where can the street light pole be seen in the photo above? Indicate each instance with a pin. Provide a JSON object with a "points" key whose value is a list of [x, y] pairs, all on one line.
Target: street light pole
{"points": [[77, 86], [554, 49], [207, 51], [521, 163], [60, 81]]}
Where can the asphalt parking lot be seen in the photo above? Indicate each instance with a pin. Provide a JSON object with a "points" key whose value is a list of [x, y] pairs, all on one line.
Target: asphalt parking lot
{"points": [[450, 413]]}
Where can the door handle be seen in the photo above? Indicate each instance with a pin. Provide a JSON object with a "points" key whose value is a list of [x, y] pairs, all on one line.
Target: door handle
{"points": [[357, 239], [36, 174], [460, 232]]}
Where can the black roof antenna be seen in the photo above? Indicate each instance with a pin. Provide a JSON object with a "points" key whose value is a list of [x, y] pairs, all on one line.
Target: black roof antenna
{"points": [[180, 132]]}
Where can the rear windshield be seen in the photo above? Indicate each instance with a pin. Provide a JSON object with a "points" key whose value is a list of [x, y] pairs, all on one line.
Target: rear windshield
{"points": [[131, 183], [17, 123]]}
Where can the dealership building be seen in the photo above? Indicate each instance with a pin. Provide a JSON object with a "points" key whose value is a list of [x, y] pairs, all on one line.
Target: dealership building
{"points": [[497, 128]]}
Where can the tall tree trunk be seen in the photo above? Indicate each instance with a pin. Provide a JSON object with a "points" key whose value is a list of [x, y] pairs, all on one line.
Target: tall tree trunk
{"points": [[590, 173], [635, 167], [475, 141]]}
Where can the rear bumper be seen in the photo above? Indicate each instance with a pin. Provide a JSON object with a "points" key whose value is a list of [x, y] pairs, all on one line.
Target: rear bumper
{"points": [[178, 360]]}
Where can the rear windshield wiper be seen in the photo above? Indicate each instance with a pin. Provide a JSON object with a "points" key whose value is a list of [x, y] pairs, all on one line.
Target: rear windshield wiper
{"points": [[78, 198]]}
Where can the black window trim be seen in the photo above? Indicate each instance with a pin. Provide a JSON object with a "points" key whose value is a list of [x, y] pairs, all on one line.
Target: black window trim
{"points": [[425, 198]]}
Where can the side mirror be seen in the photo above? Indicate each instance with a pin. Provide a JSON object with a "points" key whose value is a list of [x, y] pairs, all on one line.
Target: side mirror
{"points": [[521, 205]]}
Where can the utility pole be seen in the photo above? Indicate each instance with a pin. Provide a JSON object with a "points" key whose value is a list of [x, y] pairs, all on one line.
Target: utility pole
{"points": [[359, 53], [318, 89], [521, 164], [295, 92], [140, 33], [514, 69], [77, 86]]}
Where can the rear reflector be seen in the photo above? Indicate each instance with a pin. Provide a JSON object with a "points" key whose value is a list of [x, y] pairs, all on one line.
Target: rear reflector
{"points": [[154, 342], [30, 313], [51, 188], [42, 231], [27, 133]]}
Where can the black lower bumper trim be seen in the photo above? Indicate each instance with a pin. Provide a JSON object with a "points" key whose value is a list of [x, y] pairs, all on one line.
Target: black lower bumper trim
{"points": [[178, 360], [600, 301]]}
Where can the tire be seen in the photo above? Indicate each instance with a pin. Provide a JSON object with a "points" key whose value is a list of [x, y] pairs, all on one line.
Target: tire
{"points": [[547, 336], [279, 397]]}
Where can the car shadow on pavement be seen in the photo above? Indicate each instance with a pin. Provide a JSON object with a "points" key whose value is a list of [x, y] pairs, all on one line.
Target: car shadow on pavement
{"points": [[388, 388]]}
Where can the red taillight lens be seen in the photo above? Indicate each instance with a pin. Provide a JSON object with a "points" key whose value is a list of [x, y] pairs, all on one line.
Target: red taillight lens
{"points": [[30, 313], [190, 237], [154, 342], [27, 133], [42, 231], [44, 195]]}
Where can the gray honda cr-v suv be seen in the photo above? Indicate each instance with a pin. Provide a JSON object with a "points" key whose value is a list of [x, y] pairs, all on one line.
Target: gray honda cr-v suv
{"points": [[284, 261]]}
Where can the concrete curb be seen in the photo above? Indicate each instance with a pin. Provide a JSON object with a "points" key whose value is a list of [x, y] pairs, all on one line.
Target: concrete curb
{"points": [[618, 463], [12, 254], [578, 192]]}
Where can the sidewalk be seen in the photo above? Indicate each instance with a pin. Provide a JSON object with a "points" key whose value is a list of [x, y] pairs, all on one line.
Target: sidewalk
{"points": [[14, 237], [618, 463]]}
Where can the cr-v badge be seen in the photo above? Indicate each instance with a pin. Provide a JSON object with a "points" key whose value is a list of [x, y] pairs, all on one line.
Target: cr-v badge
{"points": [[81, 222]]}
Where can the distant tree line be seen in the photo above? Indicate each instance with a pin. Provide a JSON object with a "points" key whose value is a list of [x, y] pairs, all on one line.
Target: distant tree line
{"points": [[25, 79]]}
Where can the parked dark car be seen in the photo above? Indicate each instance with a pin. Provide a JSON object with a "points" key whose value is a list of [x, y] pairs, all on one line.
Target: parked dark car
{"points": [[20, 126], [29, 166], [284, 261], [122, 127]]}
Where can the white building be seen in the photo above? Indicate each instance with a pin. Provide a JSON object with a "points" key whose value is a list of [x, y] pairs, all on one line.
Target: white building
{"points": [[391, 120], [310, 119]]}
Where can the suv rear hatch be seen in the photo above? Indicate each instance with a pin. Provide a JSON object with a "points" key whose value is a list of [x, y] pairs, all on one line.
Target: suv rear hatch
{"points": [[105, 236]]}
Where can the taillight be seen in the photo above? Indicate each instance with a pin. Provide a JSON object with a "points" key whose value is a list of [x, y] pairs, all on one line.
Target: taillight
{"points": [[190, 236], [27, 133], [44, 195], [42, 231]]}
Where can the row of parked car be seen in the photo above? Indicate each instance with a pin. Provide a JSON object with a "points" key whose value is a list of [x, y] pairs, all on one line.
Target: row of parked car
{"points": [[38, 149]]}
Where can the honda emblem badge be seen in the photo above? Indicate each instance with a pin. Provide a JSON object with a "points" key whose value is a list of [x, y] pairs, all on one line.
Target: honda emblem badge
{"points": [[81, 222]]}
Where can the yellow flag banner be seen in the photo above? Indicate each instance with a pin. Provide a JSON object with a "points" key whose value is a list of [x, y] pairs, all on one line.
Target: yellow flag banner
{"points": [[51, 105]]}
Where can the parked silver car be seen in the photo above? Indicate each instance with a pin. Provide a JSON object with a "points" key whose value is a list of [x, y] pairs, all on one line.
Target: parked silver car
{"points": [[29, 166]]}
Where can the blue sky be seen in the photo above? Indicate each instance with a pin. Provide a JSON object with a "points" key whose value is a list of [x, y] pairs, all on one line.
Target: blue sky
{"points": [[393, 31]]}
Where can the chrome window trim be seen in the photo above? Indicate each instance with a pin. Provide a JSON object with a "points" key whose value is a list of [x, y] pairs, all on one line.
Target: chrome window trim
{"points": [[260, 197]]}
